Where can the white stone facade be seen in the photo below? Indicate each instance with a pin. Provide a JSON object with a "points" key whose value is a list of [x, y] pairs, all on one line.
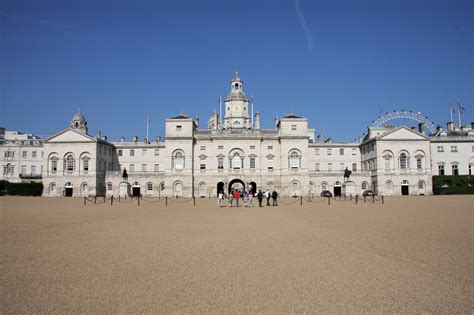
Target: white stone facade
{"points": [[233, 151]]}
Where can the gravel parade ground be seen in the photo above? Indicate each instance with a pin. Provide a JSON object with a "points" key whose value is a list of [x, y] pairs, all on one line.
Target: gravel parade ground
{"points": [[409, 255]]}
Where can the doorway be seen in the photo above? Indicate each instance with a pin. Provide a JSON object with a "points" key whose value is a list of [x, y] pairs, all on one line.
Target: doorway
{"points": [[136, 189], [220, 187], [337, 189], [253, 188], [405, 188], [68, 190]]}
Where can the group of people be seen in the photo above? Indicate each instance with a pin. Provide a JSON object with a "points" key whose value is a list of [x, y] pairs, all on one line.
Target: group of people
{"points": [[247, 198]]}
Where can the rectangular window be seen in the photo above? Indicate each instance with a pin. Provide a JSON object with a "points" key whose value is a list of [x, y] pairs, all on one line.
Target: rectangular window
{"points": [[220, 147], [440, 148], [54, 166], [252, 163], [252, 147], [42, 154], [178, 128], [24, 154], [316, 151], [270, 147], [455, 169], [157, 168], [157, 152], [143, 167], [418, 164], [454, 148], [202, 164], [132, 152], [441, 169], [341, 151], [203, 147], [33, 154], [316, 167], [330, 167], [144, 152], [23, 169], [387, 164], [270, 164], [33, 169], [354, 152], [329, 151], [132, 167], [354, 167], [119, 152], [220, 163], [293, 127]]}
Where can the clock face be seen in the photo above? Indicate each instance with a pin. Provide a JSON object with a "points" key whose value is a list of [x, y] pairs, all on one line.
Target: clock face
{"points": [[236, 108]]}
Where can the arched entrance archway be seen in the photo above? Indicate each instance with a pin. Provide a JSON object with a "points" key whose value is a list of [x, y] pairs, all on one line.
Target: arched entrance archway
{"points": [[253, 188], [236, 184], [220, 187]]}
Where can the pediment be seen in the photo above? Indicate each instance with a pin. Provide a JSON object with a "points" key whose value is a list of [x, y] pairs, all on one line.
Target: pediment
{"points": [[69, 135], [403, 133]]}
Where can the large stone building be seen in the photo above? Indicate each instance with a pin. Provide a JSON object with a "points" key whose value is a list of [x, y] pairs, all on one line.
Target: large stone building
{"points": [[233, 151]]}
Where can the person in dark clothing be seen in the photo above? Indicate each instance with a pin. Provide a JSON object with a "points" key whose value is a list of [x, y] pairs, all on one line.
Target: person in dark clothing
{"points": [[260, 198], [274, 197]]}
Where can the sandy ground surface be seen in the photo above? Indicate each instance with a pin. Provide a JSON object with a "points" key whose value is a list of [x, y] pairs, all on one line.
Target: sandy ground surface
{"points": [[410, 255]]}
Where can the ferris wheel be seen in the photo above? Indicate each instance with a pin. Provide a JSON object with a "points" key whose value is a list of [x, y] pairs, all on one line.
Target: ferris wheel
{"points": [[417, 116]]}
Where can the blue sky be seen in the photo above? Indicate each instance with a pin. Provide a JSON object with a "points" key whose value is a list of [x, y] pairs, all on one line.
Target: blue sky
{"points": [[339, 63]]}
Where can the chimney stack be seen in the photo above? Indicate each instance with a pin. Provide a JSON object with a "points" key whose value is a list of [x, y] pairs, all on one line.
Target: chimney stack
{"points": [[450, 126], [421, 128]]}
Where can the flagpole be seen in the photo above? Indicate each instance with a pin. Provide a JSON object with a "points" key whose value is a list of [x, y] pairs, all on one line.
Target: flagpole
{"points": [[459, 112], [252, 114], [147, 122], [451, 109], [220, 113]]}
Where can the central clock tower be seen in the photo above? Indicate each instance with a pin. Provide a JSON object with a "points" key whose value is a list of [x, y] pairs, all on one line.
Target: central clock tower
{"points": [[236, 106]]}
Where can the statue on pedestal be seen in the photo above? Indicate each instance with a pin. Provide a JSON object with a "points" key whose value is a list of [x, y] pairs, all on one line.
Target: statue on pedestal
{"points": [[347, 174]]}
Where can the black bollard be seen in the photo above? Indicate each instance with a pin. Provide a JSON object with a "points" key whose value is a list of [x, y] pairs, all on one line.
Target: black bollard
{"points": [[329, 200], [194, 200], [364, 198], [373, 198], [84, 201], [166, 199], [95, 199], [357, 198], [138, 199], [301, 200], [112, 200], [382, 200]]}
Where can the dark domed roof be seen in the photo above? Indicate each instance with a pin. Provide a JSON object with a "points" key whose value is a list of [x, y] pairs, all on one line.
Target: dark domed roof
{"points": [[78, 117]]}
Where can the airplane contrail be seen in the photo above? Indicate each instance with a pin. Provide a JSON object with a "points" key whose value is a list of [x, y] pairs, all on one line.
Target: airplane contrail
{"points": [[302, 20]]}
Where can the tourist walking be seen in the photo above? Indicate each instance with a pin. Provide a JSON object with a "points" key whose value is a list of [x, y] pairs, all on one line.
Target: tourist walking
{"points": [[274, 197], [231, 198], [220, 197], [268, 195], [250, 199], [260, 198]]}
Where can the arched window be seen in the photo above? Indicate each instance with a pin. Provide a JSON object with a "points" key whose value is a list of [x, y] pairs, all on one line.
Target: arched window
{"points": [[270, 186], [202, 189], [236, 161], [178, 160], [421, 185], [294, 160], [364, 185], [404, 162], [389, 186], [324, 186], [109, 186], [84, 189], [54, 165], [52, 189], [177, 188], [70, 164], [149, 187], [85, 165]]}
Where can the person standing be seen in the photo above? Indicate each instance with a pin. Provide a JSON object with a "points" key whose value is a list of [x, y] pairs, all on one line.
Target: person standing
{"points": [[260, 198], [236, 198], [267, 196], [220, 197], [231, 197], [274, 197], [250, 199]]}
